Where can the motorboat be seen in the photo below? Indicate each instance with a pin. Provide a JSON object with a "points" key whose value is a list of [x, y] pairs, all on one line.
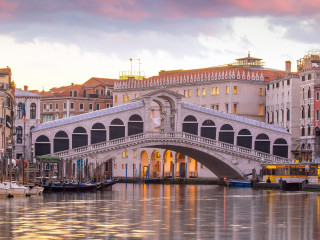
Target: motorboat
{"points": [[36, 190], [238, 183], [5, 189], [18, 190]]}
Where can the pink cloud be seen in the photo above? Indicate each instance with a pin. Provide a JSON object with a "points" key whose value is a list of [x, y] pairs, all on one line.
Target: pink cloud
{"points": [[7, 9]]}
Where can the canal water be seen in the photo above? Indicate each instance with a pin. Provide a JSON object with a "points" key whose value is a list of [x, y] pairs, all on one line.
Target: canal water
{"points": [[163, 212]]}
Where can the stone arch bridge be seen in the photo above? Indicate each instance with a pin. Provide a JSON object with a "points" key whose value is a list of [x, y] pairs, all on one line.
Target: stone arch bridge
{"points": [[227, 144]]}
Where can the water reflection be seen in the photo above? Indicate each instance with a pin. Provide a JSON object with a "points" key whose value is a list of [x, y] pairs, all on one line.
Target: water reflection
{"points": [[163, 212]]}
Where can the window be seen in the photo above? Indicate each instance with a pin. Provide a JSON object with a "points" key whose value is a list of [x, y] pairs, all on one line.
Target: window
{"points": [[309, 130], [203, 91], [309, 76], [317, 115], [288, 82], [115, 98], [115, 166], [123, 154], [19, 111], [101, 92], [75, 94], [260, 110], [227, 108], [213, 91], [288, 114], [234, 108], [217, 107], [260, 91], [235, 89], [268, 87], [124, 98], [127, 98], [277, 85], [57, 116], [317, 96], [123, 166], [33, 111], [57, 106], [309, 92], [135, 95], [70, 93], [303, 78], [185, 93], [106, 167], [302, 93], [302, 112], [302, 131], [19, 131], [107, 105], [134, 153], [227, 90], [90, 106], [64, 105], [202, 166], [198, 92], [217, 90], [81, 106], [189, 95], [152, 113], [98, 106], [71, 105], [97, 91], [44, 107], [309, 111], [51, 106]]}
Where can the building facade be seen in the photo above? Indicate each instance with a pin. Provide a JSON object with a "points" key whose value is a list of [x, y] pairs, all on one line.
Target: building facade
{"points": [[27, 114], [7, 106]]}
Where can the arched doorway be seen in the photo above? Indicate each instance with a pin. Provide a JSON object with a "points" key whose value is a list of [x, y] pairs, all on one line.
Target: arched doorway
{"points": [[280, 148], [98, 133], [180, 165], [226, 134], [244, 138], [42, 146], [190, 125], [135, 125], [262, 143], [144, 160], [116, 129], [208, 129], [168, 163], [60, 142], [79, 137], [155, 164]]}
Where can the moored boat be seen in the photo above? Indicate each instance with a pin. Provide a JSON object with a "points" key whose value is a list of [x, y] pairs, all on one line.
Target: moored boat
{"points": [[4, 190], [36, 190], [238, 183]]}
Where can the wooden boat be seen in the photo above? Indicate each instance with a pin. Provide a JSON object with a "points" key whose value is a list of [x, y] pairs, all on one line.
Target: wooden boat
{"points": [[18, 190], [70, 187], [238, 183], [109, 182]]}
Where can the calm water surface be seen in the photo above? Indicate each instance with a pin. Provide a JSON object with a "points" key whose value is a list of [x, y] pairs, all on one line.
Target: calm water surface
{"points": [[163, 212]]}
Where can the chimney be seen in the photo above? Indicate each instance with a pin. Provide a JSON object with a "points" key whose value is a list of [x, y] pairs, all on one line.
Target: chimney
{"points": [[288, 67], [72, 84], [25, 87]]}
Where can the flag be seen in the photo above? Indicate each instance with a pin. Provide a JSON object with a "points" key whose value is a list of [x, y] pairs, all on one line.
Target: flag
{"points": [[23, 108]]}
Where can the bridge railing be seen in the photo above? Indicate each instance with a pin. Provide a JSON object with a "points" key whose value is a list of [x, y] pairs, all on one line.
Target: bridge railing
{"points": [[178, 136]]}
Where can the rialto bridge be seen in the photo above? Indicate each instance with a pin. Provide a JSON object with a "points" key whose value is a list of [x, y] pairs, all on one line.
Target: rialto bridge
{"points": [[226, 144]]}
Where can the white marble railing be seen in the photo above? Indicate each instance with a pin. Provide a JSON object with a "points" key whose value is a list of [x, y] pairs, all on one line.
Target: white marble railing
{"points": [[170, 137], [227, 74]]}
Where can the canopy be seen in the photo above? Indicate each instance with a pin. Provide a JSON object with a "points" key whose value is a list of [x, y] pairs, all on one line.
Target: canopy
{"points": [[49, 159]]}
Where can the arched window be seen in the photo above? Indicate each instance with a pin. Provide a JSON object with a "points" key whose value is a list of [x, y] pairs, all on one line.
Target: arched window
{"points": [[280, 148], [302, 112], [60, 142], [116, 129], [135, 125], [309, 111], [208, 129], [288, 114], [98, 133], [226, 134], [262, 143], [190, 125], [19, 111], [42, 146], [33, 111], [79, 137], [309, 130], [309, 92], [244, 138], [302, 131]]}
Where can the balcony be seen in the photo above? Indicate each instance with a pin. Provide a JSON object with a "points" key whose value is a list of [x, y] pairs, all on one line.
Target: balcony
{"points": [[93, 95]]}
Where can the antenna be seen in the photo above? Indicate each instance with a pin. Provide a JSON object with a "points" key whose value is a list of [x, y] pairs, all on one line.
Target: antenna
{"points": [[139, 62], [131, 66]]}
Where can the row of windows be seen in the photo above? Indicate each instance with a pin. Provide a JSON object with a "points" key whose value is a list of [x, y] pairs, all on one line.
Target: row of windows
{"points": [[303, 78], [33, 109], [215, 91], [277, 85], [309, 93], [303, 131], [271, 117], [303, 112], [97, 92], [72, 105]]}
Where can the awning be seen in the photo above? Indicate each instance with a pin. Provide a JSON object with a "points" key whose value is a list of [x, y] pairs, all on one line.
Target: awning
{"points": [[48, 159]]}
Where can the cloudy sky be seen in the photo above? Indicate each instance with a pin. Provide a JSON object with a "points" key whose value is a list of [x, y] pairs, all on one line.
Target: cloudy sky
{"points": [[49, 43]]}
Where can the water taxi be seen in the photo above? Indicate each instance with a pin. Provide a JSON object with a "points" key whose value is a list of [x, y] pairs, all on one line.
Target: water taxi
{"points": [[293, 172]]}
